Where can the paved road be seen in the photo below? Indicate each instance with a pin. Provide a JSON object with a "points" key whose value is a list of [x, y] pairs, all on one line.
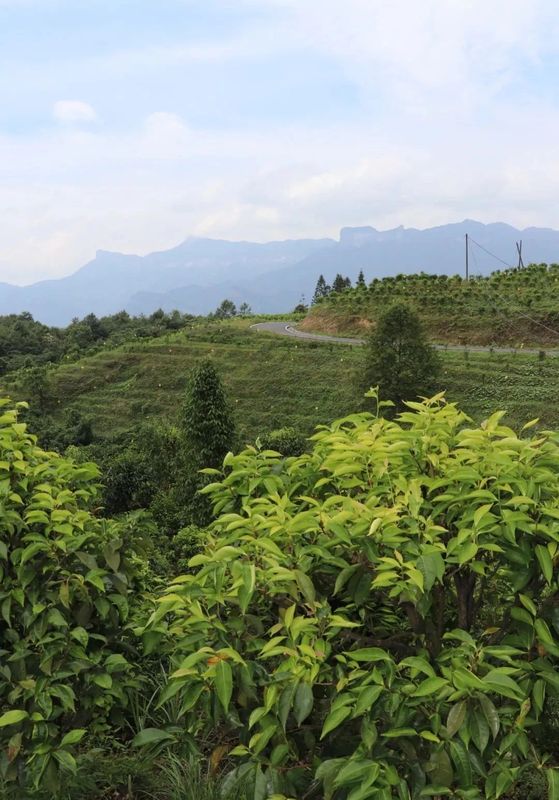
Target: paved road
{"points": [[285, 329]]}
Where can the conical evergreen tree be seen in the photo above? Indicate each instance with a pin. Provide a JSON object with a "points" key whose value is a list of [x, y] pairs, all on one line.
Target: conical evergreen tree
{"points": [[322, 290], [208, 434], [339, 283], [361, 280], [207, 424]]}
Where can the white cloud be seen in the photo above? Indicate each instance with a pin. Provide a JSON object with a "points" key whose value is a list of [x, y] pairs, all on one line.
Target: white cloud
{"points": [[422, 54], [66, 193], [70, 111], [450, 128]]}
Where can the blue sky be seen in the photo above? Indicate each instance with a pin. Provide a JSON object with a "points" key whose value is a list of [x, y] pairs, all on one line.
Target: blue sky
{"points": [[131, 124]]}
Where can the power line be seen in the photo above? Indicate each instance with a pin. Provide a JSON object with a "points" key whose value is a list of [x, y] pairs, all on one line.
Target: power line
{"points": [[509, 266], [489, 253]]}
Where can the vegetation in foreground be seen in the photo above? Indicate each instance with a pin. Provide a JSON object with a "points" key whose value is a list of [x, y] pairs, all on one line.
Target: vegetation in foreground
{"points": [[368, 616], [354, 626]]}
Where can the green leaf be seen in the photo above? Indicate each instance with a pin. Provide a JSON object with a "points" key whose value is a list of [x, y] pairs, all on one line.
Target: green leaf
{"points": [[481, 512], [432, 568], [151, 736], [528, 603], [456, 717], [538, 693], [552, 776], [334, 718], [224, 683], [306, 586], [285, 703], [430, 686], [31, 550], [13, 717], [479, 730], [440, 769], [103, 680], [467, 552], [543, 633], [73, 737], [80, 635], [112, 556], [419, 664], [304, 700], [546, 564], [503, 684], [397, 733], [370, 654], [491, 715], [248, 576], [367, 698], [66, 761], [462, 763]]}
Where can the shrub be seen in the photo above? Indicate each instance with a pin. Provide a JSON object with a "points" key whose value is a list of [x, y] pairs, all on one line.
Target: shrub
{"points": [[341, 637], [399, 359], [65, 584], [287, 441]]}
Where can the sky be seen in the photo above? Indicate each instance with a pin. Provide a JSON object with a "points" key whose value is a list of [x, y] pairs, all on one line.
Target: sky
{"points": [[130, 125]]}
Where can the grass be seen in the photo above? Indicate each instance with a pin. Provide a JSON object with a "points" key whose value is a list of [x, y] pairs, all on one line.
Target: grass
{"points": [[274, 381], [526, 386]]}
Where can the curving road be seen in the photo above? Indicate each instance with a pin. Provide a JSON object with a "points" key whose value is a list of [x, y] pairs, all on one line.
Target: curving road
{"points": [[286, 329]]}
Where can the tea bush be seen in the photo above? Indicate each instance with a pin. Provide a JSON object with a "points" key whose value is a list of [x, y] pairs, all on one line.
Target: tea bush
{"points": [[66, 591], [378, 618]]}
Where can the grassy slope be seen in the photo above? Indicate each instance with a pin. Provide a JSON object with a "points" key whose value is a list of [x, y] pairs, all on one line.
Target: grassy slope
{"points": [[274, 381], [271, 381], [510, 307]]}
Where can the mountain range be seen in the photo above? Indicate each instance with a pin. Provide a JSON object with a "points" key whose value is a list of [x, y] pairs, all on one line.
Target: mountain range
{"points": [[271, 277]]}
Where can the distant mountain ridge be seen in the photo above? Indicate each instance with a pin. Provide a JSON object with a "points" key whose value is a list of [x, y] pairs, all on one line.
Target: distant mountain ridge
{"points": [[197, 274]]}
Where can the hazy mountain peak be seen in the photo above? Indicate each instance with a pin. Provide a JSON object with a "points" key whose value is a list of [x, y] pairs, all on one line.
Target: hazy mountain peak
{"points": [[196, 275]]}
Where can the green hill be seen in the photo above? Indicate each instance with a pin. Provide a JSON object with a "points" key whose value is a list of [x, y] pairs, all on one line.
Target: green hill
{"points": [[510, 307], [272, 381]]}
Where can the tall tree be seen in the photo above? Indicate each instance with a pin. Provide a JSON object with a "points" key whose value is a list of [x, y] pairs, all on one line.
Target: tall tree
{"points": [[361, 280], [208, 433], [245, 310], [225, 310], [322, 290], [399, 360], [207, 423], [339, 283]]}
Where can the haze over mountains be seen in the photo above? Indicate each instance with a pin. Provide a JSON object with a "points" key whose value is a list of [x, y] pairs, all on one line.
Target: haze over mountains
{"points": [[198, 274]]}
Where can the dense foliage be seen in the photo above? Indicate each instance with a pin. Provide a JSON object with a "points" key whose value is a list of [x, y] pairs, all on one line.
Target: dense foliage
{"points": [[207, 423], [26, 343], [398, 358], [66, 596], [377, 618], [373, 613]]}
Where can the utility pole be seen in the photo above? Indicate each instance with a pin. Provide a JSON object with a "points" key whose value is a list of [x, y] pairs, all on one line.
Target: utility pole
{"points": [[467, 256], [519, 250]]}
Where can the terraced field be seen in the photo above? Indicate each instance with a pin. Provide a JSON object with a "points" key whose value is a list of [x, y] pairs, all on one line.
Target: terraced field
{"points": [[275, 381]]}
